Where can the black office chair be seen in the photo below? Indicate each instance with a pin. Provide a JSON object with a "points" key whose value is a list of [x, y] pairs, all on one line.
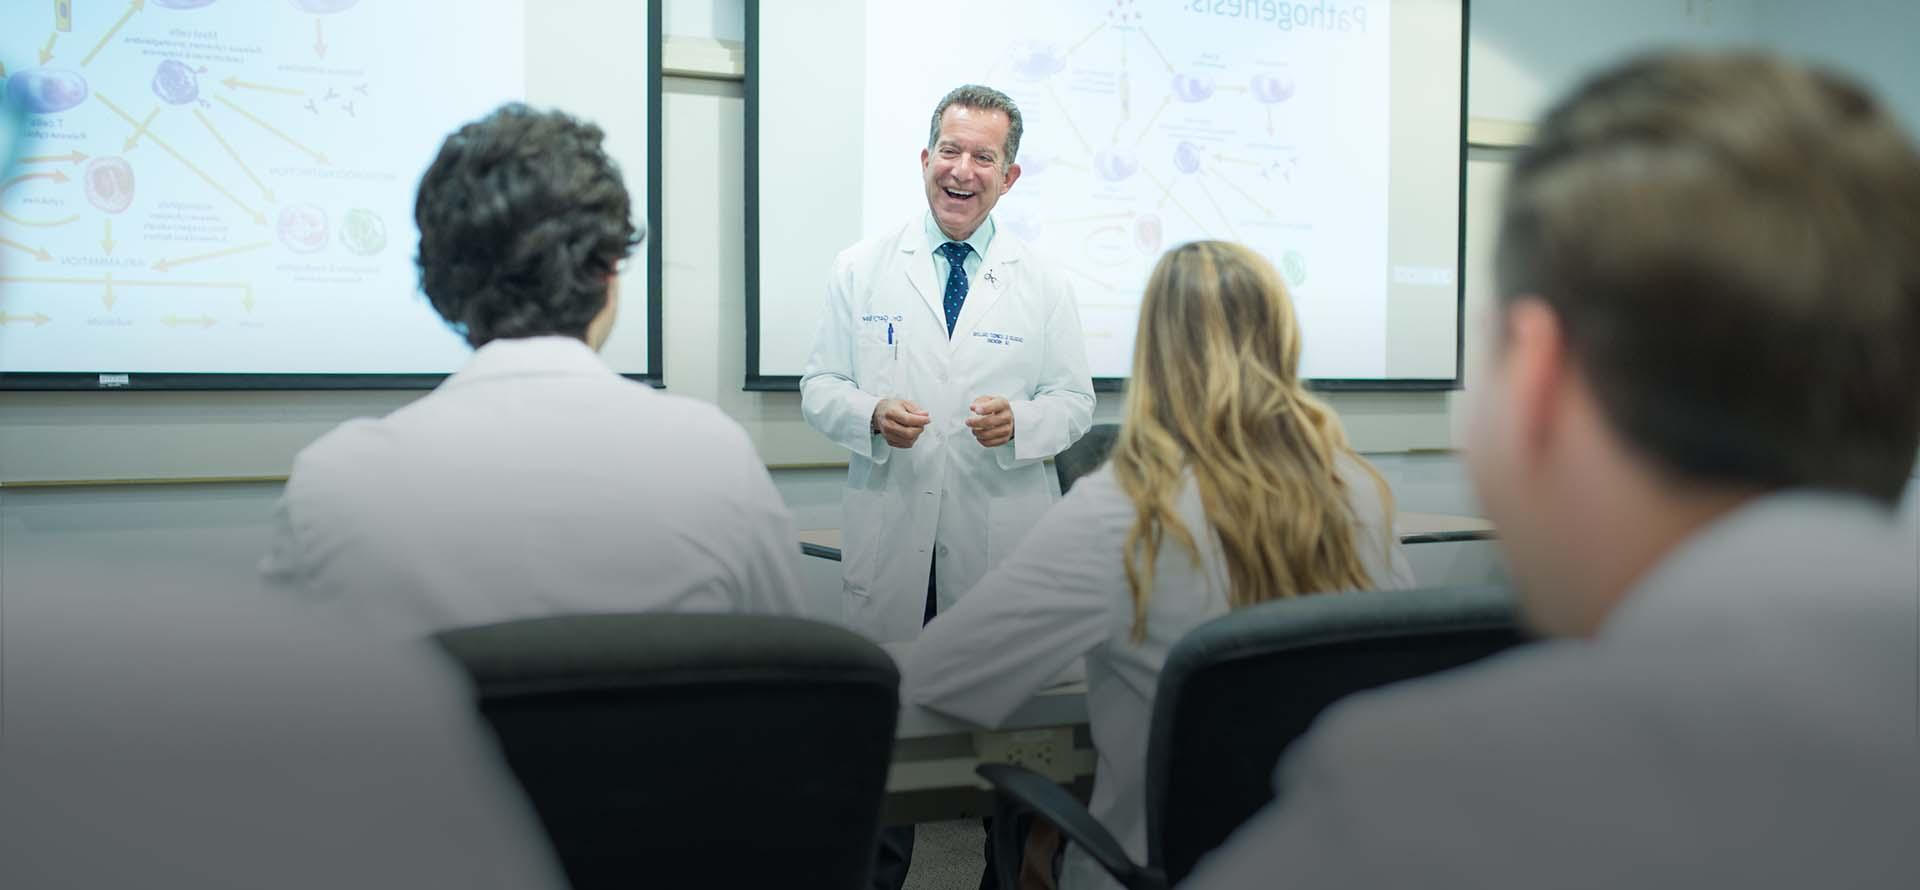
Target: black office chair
{"points": [[1085, 455], [1236, 692], [672, 750]]}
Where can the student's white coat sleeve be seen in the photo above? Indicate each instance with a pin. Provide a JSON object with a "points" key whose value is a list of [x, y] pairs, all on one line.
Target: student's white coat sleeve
{"points": [[302, 545], [830, 398], [1059, 596], [286, 564], [1061, 409]]}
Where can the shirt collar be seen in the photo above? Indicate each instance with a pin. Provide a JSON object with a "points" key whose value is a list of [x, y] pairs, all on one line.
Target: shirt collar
{"points": [[1777, 550], [981, 238], [530, 356]]}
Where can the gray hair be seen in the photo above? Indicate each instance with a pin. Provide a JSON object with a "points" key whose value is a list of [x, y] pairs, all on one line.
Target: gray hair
{"points": [[980, 98]]}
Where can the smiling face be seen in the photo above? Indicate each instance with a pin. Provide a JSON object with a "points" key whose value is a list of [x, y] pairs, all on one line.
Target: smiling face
{"points": [[966, 170]]}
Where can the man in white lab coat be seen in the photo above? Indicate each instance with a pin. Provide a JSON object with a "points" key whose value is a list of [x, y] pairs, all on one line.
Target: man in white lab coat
{"points": [[1702, 408], [950, 363], [535, 481]]}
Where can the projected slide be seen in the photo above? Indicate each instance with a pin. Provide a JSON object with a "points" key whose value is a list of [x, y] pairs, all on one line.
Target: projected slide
{"points": [[1149, 134], [1322, 134], [227, 187]]}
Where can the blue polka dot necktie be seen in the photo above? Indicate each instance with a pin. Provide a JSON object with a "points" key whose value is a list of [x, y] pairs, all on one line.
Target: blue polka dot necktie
{"points": [[956, 252]]}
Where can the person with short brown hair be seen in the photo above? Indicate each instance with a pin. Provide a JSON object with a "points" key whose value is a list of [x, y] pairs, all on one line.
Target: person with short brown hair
{"points": [[1703, 406]]}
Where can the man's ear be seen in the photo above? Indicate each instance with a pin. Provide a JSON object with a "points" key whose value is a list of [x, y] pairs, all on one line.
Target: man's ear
{"points": [[1537, 370], [1013, 173]]}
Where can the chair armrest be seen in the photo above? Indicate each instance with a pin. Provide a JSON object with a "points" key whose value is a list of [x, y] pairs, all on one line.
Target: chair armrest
{"points": [[1018, 789]]}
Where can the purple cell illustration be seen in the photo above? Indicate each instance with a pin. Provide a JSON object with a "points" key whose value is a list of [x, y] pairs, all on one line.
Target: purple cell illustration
{"points": [[109, 184], [182, 4], [1115, 165], [175, 83], [1192, 87], [1033, 162], [1272, 89], [46, 90], [303, 228], [1037, 61], [1186, 158], [322, 7], [1023, 225], [1147, 233]]}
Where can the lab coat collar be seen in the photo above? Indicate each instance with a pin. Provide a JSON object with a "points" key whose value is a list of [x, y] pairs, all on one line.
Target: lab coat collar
{"points": [[997, 269], [531, 357]]}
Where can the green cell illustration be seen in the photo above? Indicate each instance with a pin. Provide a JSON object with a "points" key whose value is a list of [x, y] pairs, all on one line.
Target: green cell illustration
{"points": [[1294, 266], [363, 232]]}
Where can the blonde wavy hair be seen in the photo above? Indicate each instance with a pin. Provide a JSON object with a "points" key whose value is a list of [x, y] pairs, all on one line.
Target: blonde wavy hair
{"points": [[1216, 391]]}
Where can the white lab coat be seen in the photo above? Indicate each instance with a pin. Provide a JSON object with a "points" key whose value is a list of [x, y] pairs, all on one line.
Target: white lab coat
{"points": [[536, 482], [1018, 336], [1064, 595]]}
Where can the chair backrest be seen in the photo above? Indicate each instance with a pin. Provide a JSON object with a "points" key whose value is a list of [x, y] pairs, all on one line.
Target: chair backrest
{"points": [[1085, 455], [1237, 691], [659, 748]]}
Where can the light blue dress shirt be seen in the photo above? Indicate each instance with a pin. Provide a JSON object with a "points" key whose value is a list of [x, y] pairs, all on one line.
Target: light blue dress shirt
{"points": [[982, 237]]}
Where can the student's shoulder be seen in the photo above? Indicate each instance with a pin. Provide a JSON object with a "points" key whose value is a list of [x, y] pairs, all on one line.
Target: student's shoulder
{"points": [[1096, 508], [700, 425], [1521, 716], [346, 451]]}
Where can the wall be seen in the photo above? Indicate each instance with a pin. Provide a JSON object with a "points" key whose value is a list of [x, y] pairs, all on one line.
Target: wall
{"points": [[1522, 51]]}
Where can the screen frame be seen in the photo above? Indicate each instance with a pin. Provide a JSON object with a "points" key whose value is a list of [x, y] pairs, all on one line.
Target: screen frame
{"points": [[758, 382], [120, 381]]}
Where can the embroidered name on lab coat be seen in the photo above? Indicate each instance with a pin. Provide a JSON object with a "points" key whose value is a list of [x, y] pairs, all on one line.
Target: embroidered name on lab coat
{"points": [[995, 338], [883, 317]]}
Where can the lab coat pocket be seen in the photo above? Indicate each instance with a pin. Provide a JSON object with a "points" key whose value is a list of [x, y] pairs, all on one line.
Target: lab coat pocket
{"points": [[879, 348]]}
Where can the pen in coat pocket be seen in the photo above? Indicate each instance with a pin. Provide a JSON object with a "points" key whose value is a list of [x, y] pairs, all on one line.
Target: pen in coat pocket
{"points": [[893, 346]]}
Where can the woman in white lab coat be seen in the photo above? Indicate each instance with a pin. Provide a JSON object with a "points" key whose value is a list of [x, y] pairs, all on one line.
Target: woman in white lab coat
{"points": [[1229, 485]]}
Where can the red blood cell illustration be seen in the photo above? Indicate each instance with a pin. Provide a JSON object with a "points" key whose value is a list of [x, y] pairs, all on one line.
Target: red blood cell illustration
{"points": [[109, 184], [303, 228], [1147, 233], [46, 90]]}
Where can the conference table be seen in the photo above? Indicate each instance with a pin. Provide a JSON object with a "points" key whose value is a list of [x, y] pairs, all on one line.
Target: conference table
{"points": [[1413, 528], [932, 775]]}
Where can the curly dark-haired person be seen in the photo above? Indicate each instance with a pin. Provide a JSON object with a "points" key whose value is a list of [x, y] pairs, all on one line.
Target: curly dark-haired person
{"points": [[534, 481]]}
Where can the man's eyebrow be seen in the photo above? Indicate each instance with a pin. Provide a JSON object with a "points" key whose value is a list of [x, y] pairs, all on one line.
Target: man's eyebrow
{"points": [[949, 143]]}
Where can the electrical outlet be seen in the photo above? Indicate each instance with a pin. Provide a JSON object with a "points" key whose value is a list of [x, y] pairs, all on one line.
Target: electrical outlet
{"points": [[1045, 751]]}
